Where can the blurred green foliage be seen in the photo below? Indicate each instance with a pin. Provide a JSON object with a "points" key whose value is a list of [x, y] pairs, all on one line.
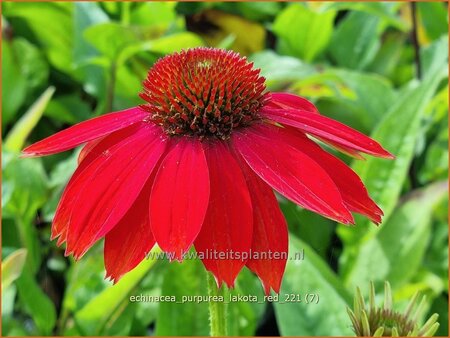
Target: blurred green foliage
{"points": [[65, 62]]}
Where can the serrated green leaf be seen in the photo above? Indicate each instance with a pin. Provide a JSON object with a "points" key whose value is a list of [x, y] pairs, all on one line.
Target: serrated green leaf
{"points": [[436, 161], [397, 250], [398, 132]]}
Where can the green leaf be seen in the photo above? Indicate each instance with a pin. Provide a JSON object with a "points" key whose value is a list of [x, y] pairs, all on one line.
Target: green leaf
{"points": [[397, 132], [7, 190], [436, 161], [397, 250], [303, 32], [29, 182], [433, 16], [110, 38], [85, 280], [434, 55], [12, 267], [164, 45], [311, 276], [355, 41], [15, 84], [388, 56], [368, 89], [252, 10], [279, 70], [188, 279], [440, 306], [52, 29], [68, 109], [8, 300], [58, 179], [300, 221], [29, 192], [87, 14], [19, 133], [183, 319], [36, 303], [436, 260], [383, 10], [159, 14], [352, 97], [244, 316], [96, 314], [33, 65]]}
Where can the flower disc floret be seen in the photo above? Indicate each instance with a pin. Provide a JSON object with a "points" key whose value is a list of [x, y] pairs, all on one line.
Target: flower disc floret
{"points": [[203, 91]]}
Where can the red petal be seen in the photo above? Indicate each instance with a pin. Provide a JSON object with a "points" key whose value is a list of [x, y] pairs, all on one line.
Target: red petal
{"points": [[84, 132], [327, 129], [343, 149], [270, 234], [286, 100], [87, 149], [131, 239], [290, 172], [179, 197], [353, 191], [67, 202], [227, 229], [116, 179]]}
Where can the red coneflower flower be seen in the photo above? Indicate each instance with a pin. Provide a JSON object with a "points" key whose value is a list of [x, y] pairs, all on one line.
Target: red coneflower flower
{"points": [[197, 164]]}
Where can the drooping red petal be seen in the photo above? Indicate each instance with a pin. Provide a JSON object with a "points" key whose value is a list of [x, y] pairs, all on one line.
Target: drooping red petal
{"points": [[226, 234], [66, 205], [353, 191], [290, 172], [84, 132], [179, 197], [131, 239], [327, 130], [270, 234], [116, 179], [286, 100]]}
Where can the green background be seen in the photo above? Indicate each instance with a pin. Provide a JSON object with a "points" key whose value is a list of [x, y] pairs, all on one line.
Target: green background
{"points": [[63, 63]]}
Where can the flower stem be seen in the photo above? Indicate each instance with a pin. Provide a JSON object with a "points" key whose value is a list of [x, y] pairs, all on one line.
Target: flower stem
{"points": [[217, 308]]}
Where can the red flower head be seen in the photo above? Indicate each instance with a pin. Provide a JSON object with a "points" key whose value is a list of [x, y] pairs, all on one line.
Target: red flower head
{"points": [[197, 164]]}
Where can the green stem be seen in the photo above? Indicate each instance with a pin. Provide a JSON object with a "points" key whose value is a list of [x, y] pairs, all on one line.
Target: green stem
{"points": [[217, 309]]}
